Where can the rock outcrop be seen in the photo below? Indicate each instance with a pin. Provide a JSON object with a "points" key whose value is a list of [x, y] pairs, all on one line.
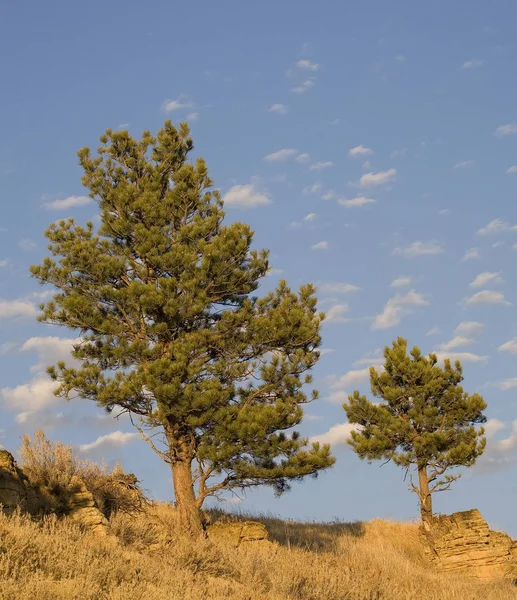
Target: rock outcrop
{"points": [[81, 507], [15, 490], [463, 543], [238, 533]]}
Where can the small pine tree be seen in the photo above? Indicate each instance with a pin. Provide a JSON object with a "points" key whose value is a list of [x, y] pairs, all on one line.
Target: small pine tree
{"points": [[425, 420], [172, 334]]}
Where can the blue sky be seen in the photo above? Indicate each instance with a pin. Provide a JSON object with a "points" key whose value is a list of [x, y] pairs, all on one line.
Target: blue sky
{"points": [[373, 148]]}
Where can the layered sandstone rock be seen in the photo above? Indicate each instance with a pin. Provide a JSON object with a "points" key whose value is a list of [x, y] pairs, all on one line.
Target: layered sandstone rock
{"points": [[463, 543], [238, 533], [15, 490], [81, 507]]}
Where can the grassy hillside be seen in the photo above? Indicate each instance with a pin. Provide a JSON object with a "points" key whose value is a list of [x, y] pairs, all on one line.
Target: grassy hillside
{"points": [[381, 560]]}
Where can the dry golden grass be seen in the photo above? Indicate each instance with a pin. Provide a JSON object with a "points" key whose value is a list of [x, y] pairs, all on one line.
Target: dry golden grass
{"points": [[53, 559]]}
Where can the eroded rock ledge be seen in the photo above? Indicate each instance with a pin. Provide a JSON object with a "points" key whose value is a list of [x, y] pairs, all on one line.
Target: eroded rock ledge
{"points": [[463, 543], [17, 492]]}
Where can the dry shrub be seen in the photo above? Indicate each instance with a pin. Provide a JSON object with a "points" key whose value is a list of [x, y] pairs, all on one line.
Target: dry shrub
{"points": [[50, 466]]}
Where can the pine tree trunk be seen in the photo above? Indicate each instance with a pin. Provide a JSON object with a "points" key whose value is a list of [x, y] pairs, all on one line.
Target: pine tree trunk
{"points": [[188, 512], [426, 503]]}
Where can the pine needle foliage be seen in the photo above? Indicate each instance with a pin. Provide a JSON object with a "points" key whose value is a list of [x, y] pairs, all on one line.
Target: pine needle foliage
{"points": [[162, 296], [424, 420]]}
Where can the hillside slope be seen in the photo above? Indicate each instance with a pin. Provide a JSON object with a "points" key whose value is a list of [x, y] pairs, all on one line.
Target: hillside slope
{"points": [[54, 560]]}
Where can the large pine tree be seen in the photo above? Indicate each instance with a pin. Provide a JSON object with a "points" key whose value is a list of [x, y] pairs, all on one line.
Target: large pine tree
{"points": [[162, 296], [425, 420]]}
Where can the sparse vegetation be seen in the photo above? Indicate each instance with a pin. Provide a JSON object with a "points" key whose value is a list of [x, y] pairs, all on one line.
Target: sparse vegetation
{"points": [[50, 467]]}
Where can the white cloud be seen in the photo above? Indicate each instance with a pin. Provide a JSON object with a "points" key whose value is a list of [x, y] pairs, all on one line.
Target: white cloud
{"points": [[336, 435], [496, 226], [456, 342], [507, 384], [471, 254], [469, 328], [310, 217], [303, 158], [507, 444], [4, 263], [399, 152], [193, 116], [472, 64], [50, 350], [464, 335], [499, 453], [307, 64], [30, 398], [35, 395], [246, 196], [360, 151], [372, 179], [46, 420], [6, 347], [396, 308], [108, 441], [356, 202], [304, 87], [338, 288], [281, 109], [486, 297], [351, 379], [444, 211], [464, 164], [371, 359], [486, 278], [69, 202], [281, 155], [320, 246], [321, 165], [434, 331], [312, 189], [401, 282], [27, 245], [328, 195], [420, 249], [232, 500], [307, 417], [171, 105], [510, 346], [324, 351], [10, 309], [336, 314], [512, 169], [492, 426], [508, 129], [463, 357]]}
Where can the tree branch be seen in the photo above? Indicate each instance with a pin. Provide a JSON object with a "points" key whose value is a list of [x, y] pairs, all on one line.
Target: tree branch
{"points": [[165, 457]]}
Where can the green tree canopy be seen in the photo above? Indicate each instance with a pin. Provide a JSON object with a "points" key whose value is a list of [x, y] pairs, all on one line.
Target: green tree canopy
{"points": [[162, 295], [425, 420]]}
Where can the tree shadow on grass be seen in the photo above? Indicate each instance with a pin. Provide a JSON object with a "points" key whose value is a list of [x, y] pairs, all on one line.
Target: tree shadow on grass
{"points": [[312, 536]]}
